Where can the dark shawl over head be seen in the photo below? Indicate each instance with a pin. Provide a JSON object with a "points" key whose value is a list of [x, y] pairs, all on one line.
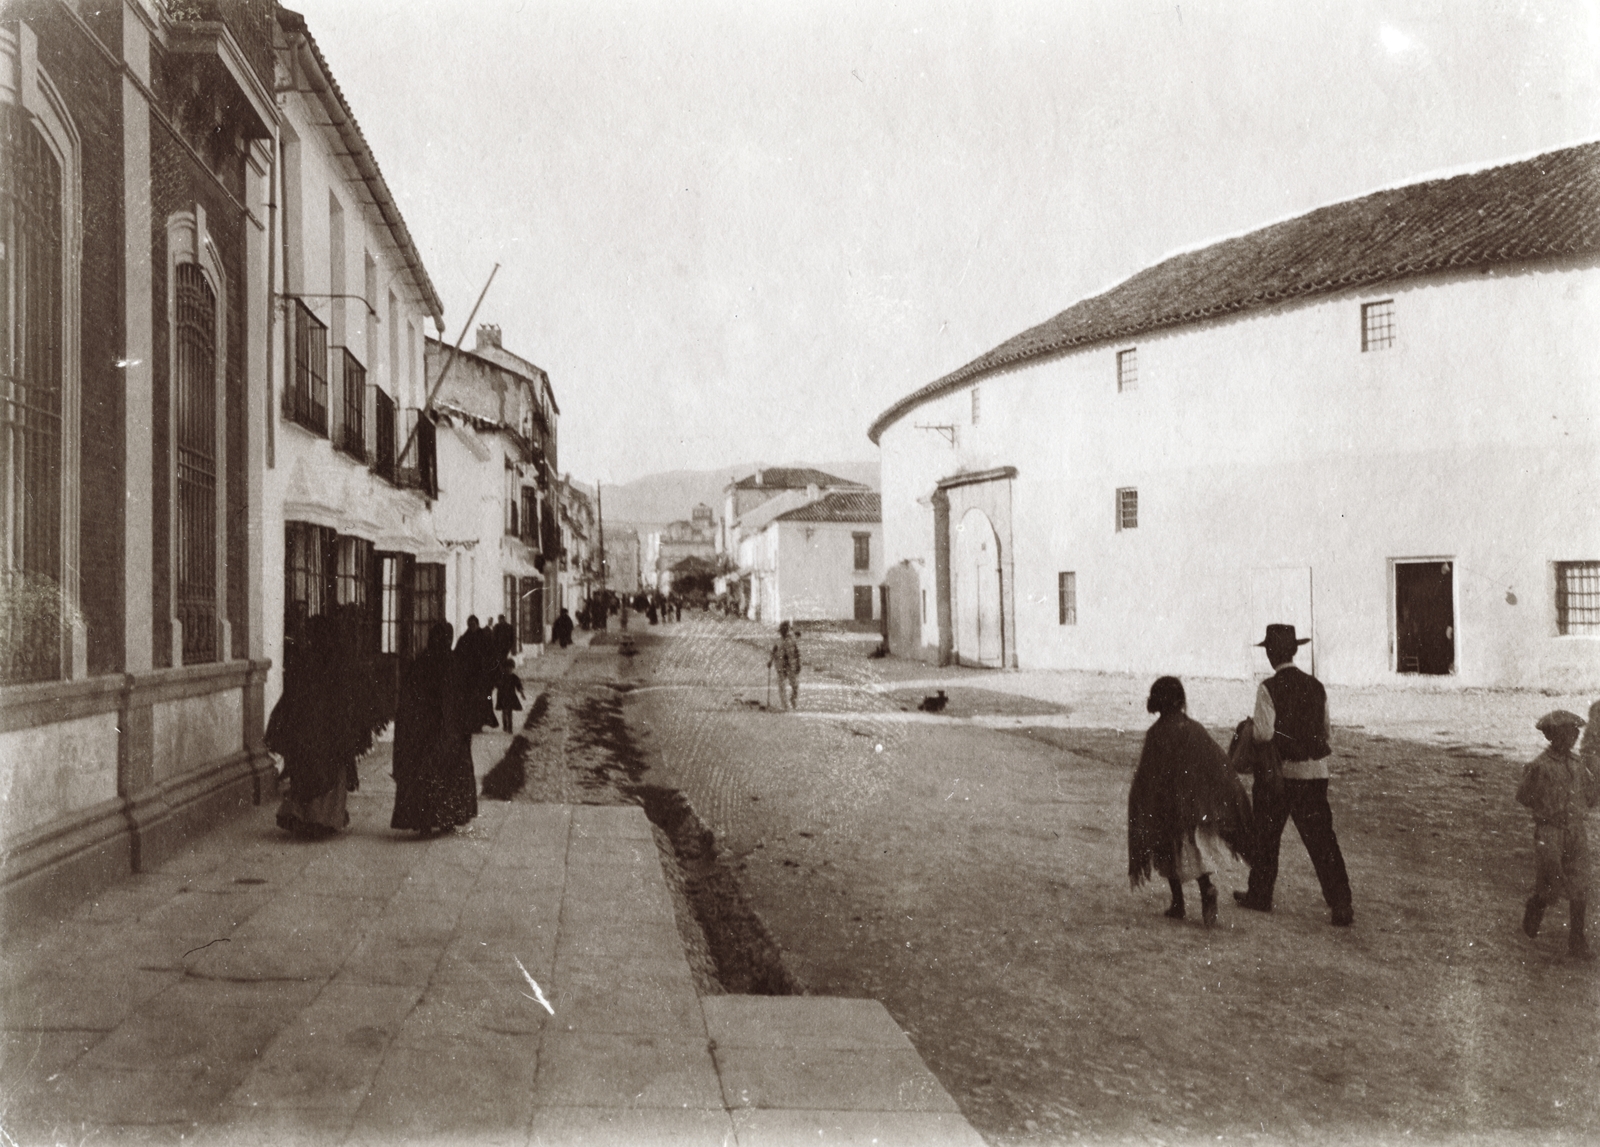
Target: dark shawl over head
{"points": [[1183, 783], [309, 726], [435, 786]]}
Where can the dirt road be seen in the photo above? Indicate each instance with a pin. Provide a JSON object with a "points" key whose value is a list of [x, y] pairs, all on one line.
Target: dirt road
{"points": [[973, 879]]}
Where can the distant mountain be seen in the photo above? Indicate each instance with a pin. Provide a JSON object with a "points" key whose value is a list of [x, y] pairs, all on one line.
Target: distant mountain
{"points": [[657, 499]]}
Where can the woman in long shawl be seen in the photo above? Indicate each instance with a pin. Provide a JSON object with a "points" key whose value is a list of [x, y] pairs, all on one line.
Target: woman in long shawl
{"points": [[309, 728], [1185, 805], [435, 788]]}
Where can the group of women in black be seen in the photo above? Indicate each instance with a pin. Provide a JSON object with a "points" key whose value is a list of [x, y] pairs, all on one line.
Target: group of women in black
{"points": [[329, 714]]}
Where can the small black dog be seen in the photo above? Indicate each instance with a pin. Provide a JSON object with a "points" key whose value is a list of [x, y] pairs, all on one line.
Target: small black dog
{"points": [[934, 704]]}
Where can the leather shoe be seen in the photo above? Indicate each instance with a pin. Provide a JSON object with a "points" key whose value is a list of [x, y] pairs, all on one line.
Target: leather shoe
{"points": [[1343, 916], [1243, 900]]}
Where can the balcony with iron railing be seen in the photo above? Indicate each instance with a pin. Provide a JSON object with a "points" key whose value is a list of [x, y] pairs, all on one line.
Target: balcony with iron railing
{"points": [[350, 379], [305, 392]]}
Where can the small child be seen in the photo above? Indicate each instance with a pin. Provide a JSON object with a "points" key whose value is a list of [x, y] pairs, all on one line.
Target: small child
{"points": [[508, 693], [1560, 788]]}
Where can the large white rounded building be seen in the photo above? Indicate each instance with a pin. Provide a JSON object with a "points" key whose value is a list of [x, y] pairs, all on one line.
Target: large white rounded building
{"points": [[1379, 422]]}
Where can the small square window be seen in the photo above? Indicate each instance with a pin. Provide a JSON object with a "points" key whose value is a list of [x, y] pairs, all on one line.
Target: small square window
{"points": [[1127, 508], [1578, 598], [1128, 369], [1377, 325], [1067, 597], [974, 406]]}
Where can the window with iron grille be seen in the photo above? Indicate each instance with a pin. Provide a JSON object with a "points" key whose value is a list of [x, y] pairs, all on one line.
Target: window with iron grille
{"points": [[352, 583], [307, 551], [305, 398], [353, 419], [1128, 369], [1377, 325], [31, 301], [974, 406], [195, 342], [1578, 598], [513, 492], [530, 515], [427, 602], [1127, 508], [530, 612], [391, 602], [418, 466], [1067, 598], [383, 453], [863, 543]]}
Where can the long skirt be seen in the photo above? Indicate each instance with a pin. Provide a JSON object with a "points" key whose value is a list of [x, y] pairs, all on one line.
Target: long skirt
{"points": [[440, 795], [1195, 856], [319, 816]]}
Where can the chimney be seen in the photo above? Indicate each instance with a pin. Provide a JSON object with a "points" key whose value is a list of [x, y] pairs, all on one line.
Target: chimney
{"points": [[812, 493], [488, 335], [758, 477]]}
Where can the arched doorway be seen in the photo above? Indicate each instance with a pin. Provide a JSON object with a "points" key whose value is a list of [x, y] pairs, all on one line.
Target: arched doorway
{"points": [[975, 570]]}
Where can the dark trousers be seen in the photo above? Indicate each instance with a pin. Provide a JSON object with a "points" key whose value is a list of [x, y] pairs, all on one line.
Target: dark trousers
{"points": [[1307, 803], [505, 720]]}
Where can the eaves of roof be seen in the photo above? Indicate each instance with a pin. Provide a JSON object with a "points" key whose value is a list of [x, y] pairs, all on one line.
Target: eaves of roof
{"points": [[344, 122], [1540, 208]]}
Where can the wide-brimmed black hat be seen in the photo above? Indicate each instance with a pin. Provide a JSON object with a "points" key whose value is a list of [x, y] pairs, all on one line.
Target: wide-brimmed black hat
{"points": [[1279, 635]]}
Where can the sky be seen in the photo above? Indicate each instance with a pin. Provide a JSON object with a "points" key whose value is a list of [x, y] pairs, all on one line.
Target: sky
{"points": [[737, 232]]}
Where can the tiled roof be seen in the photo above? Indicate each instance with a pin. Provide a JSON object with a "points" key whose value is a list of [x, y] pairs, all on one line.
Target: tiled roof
{"points": [[1544, 207], [793, 478], [841, 507]]}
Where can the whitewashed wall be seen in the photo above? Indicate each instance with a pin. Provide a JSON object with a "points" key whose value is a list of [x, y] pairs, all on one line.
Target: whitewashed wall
{"points": [[1271, 440]]}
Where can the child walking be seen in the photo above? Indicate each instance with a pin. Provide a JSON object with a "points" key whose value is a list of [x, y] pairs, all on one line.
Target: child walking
{"points": [[1560, 788], [508, 693]]}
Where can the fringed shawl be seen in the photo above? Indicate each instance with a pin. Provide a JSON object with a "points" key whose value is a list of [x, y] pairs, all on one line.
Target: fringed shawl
{"points": [[1183, 783]]}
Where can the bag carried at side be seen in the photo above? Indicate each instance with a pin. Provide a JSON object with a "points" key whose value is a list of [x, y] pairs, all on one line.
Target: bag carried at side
{"points": [[1258, 759]]}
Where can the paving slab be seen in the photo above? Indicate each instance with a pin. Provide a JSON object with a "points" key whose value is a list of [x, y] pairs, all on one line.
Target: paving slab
{"points": [[375, 988]]}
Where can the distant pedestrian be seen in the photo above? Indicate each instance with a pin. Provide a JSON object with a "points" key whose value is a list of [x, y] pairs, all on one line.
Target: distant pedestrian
{"points": [[508, 693], [480, 663], [505, 638], [561, 628], [1292, 715], [785, 658], [1186, 809], [677, 608], [1560, 788], [435, 788]]}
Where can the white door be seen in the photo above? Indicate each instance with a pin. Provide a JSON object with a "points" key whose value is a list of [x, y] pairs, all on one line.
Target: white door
{"points": [[975, 567]]}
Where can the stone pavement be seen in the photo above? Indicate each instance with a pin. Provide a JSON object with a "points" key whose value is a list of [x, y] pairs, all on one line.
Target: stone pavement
{"points": [[520, 982]]}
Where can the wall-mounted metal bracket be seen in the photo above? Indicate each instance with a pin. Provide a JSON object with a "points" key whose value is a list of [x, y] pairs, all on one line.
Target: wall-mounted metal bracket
{"points": [[949, 432]]}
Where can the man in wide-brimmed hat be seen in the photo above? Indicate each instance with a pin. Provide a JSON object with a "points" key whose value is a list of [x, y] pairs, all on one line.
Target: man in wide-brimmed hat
{"points": [[1292, 714]]}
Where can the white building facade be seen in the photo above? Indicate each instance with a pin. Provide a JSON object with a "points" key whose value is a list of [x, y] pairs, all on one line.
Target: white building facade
{"points": [[349, 505], [1379, 422], [821, 561]]}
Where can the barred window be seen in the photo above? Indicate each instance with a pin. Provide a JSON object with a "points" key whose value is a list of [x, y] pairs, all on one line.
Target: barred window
{"points": [[1578, 598], [974, 406], [391, 580], [195, 342], [1127, 508], [32, 378], [530, 515], [1067, 598], [1128, 369], [383, 453], [427, 601], [863, 544], [1377, 325], [353, 423], [306, 550], [305, 398]]}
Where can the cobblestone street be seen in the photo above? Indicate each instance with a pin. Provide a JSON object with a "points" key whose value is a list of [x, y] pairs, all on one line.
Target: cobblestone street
{"points": [[973, 879]]}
